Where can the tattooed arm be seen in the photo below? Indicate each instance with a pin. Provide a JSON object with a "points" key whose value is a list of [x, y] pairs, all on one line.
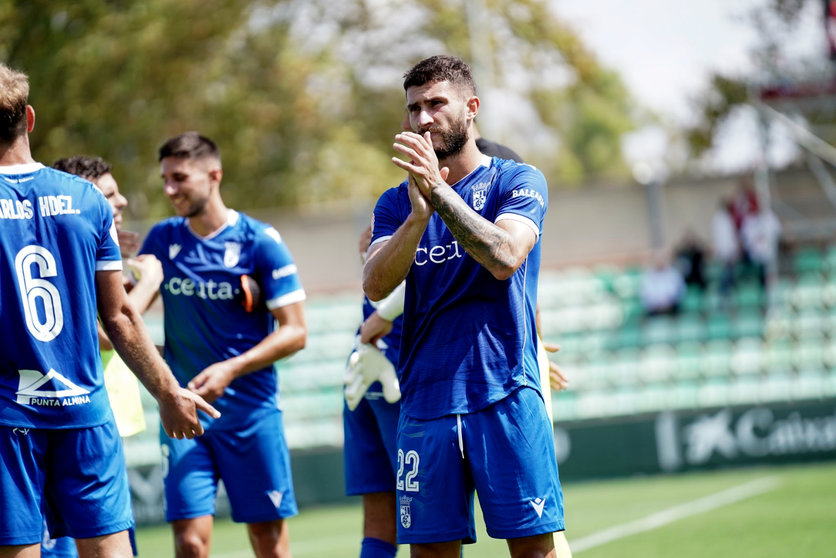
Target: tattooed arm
{"points": [[500, 248]]}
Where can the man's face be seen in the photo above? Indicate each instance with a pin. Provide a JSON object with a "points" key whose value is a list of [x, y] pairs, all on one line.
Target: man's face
{"points": [[189, 183], [108, 186], [441, 109]]}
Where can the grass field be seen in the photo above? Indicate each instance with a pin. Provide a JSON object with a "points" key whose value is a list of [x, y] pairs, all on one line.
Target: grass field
{"points": [[776, 511]]}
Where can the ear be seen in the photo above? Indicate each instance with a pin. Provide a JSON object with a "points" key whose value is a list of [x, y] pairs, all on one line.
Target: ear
{"points": [[472, 105], [30, 119], [216, 174]]}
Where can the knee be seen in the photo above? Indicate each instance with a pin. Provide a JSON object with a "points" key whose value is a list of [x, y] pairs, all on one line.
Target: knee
{"points": [[190, 545]]}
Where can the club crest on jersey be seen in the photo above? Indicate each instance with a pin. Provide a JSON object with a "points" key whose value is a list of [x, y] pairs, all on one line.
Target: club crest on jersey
{"points": [[406, 512], [173, 250], [480, 195], [231, 254]]}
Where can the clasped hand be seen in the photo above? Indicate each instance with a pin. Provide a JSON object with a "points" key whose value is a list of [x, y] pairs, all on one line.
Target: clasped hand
{"points": [[422, 166]]}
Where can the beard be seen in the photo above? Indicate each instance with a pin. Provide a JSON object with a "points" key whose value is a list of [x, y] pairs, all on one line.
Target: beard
{"points": [[452, 140]]}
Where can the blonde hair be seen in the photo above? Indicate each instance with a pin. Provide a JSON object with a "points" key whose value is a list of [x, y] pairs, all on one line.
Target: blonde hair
{"points": [[14, 94]]}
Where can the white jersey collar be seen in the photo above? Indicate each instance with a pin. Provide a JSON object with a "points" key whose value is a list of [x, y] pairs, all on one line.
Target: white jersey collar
{"points": [[20, 169]]}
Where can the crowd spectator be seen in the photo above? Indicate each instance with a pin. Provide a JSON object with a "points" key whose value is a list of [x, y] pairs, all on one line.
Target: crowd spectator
{"points": [[725, 244], [662, 287]]}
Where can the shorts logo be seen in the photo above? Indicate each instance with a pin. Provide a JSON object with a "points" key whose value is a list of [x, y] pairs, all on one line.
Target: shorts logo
{"points": [[232, 253], [480, 195], [173, 250], [44, 390], [275, 497], [538, 504], [406, 512]]}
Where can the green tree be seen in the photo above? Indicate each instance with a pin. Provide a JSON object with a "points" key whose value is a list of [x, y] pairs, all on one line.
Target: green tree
{"points": [[303, 96], [774, 67]]}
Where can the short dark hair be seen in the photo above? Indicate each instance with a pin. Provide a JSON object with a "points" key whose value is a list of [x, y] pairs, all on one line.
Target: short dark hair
{"points": [[440, 68], [90, 168], [14, 94], [190, 145]]}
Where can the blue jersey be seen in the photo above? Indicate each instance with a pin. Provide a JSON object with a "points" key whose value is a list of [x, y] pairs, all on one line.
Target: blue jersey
{"points": [[204, 323], [56, 231], [468, 339]]}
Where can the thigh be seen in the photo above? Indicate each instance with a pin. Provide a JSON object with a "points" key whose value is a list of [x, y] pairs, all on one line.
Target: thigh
{"points": [[22, 481], [254, 464], [510, 448], [434, 489], [87, 488], [190, 479], [369, 451]]}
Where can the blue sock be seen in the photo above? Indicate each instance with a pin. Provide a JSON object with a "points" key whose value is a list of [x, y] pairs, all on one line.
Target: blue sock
{"points": [[376, 548]]}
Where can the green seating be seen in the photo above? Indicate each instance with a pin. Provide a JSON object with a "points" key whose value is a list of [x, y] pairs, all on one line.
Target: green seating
{"points": [[717, 358]]}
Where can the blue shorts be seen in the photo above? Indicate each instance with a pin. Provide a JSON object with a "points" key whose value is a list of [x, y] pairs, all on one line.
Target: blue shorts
{"points": [[505, 452], [369, 454], [75, 479], [253, 462], [62, 547]]}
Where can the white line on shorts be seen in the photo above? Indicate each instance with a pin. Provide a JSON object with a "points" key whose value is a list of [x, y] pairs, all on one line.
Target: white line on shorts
{"points": [[675, 513]]}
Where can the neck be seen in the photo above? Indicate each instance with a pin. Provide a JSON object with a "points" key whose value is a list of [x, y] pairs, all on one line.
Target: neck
{"points": [[16, 153], [462, 163], [213, 217]]}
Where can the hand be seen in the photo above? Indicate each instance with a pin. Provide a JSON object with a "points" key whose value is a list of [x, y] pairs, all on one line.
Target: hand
{"points": [[128, 242], [374, 328], [147, 269], [557, 379], [213, 380], [422, 164], [367, 365], [178, 414], [421, 206]]}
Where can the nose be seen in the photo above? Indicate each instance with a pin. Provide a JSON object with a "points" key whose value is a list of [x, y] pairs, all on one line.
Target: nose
{"points": [[424, 119], [121, 201], [169, 187]]}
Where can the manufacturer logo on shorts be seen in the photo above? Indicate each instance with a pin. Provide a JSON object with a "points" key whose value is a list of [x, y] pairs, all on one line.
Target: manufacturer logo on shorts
{"points": [[538, 504], [406, 512], [480, 195], [275, 497], [49, 390]]}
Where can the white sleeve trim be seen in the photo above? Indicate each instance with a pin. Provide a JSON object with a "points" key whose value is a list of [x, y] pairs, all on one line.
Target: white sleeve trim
{"points": [[109, 265], [284, 300], [381, 239], [520, 219], [392, 306]]}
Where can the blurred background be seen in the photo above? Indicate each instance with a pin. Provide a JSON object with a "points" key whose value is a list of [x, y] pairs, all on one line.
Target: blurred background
{"points": [[689, 252]]}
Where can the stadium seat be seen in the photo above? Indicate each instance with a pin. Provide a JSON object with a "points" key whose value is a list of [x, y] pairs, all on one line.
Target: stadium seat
{"points": [[689, 360], [717, 358], [685, 394], [748, 322], [714, 392], [719, 326], [776, 386], [691, 327], [747, 356], [744, 390], [657, 362], [779, 357], [809, 384], [658, 330], [809, 259], [809, 353], [749, 294]]}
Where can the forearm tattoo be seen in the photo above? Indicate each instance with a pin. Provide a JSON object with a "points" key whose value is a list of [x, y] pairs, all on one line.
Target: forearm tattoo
{"points": [[484, 241]]}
